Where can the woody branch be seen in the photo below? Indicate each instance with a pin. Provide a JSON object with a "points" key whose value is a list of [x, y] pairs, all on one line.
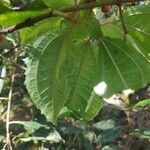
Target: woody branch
{"points": [[61, 13]]}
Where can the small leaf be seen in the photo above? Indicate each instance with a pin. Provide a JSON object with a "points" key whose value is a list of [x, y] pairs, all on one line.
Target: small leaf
{"points": [[143, 103], [104, 125], [53, 137], [109, 147], [142, 134], [30, 126]]}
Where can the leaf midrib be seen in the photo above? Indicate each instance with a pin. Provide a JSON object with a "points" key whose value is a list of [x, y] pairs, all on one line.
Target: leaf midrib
{"points": [[113, 61], [81, 68], [130, 59]]}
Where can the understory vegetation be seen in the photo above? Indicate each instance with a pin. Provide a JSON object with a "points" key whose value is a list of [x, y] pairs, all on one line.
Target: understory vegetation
{"points": [[74, 75]]}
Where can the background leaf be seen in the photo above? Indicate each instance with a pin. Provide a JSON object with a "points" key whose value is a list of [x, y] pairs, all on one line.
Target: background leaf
{"points": [[123, 66], [137, 22], [30, 126], [10, 17], [143, 103], [32, 33], [53, 137], [104, 125], [58, 3]]}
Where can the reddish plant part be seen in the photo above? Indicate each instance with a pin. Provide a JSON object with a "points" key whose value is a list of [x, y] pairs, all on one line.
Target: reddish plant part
{"points": [[106, 8], [2, 38]]}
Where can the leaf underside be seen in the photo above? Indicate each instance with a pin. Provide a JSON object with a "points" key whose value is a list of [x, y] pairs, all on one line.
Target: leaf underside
{"points": [[64, 68]]}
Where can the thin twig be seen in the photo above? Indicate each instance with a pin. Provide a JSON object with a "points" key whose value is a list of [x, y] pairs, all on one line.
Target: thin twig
{"points": [[8, 140], [8, 144], [125, 30], [13, 63], [15, 47], [61, 13], [3, 98]]}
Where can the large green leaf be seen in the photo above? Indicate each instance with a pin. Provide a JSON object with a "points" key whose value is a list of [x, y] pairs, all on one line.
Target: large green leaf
{"points": [[10, 17], [84, 77], [87, 68], [137, 22], [122, 66], [46, 78], [64, 71], [137, 44]]}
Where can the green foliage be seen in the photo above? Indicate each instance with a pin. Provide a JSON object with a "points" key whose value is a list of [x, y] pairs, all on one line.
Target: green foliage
{"points": [[67, 76], [58, 3], [53, 137], [11, 17], [118, 58], [46, 87], [71, 56], [138, 25], [142, 134], [94, 104], [64, 69], [143, 103], [104, 125], [32, 33], [30, 126], [108, 147], [67, 58]]}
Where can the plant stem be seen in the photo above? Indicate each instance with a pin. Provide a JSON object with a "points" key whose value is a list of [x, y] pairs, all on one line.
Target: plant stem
{"points": [[8, 140], [123, 22], [61, 13]]}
